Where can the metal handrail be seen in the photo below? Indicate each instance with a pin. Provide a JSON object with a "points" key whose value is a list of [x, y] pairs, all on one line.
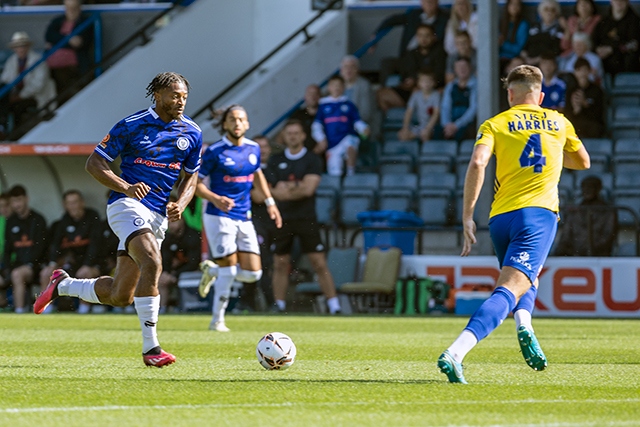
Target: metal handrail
{"points": [[97, 67], [302, 30]]}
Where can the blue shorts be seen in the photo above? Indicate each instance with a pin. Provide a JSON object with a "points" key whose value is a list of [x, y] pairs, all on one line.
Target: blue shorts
{"points": [[522, 238]]}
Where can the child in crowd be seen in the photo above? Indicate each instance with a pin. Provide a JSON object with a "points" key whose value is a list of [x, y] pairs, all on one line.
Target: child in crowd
{"points": [[425, 103]]}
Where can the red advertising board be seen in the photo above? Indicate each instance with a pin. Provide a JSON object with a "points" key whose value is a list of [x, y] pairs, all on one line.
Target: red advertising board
{"points": [[569, 287]]}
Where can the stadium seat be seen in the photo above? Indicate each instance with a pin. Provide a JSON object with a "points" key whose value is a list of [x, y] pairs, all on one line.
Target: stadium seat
{"points": [[343, 265], [626, 163], [434, 163], [393, 119], [352, 202], [629, 198], [599, 145], [397, 192], [369, 181], [435, 206], [627, 146], [331, 182], [439, 147], [377, 287], [462, 163], [443, 181], [466, 147], [627, 249], [625, 89], [625, 181], [625, 123], [326, 205], [567, 181], [395, 163], [401, 147]]}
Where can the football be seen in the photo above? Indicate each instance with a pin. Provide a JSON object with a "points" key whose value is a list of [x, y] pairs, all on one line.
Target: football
{"points": [[276, 351]]}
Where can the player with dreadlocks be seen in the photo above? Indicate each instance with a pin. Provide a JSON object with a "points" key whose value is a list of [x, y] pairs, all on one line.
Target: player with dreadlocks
{"points": [[156, 146], [233, 167]]}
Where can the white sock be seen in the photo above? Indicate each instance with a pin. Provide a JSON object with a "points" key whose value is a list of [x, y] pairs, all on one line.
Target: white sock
{"points": [[523, 318], [81, 288], [282, 305], [214, 270], [147, 309], [222, 288], [463, 345], [334, 305]]}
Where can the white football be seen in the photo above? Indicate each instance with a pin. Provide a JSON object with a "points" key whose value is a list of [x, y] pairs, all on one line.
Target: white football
{"points": [[276, 351]]}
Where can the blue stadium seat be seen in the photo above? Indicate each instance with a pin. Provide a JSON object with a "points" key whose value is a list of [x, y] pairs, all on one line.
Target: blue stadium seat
{"points": [[462, 163], [625, 89], [397, 191], [434, 163], [626, 163], [627, 181], [395, 163], [627, 146], [435, 206], [352, 202], [631, 199], [326, 205], [466, 147], [401, 147], [444, 181], [439, 147], [370, 181]]}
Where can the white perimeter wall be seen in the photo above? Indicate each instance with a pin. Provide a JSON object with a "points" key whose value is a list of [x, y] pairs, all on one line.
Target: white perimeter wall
{"points": [[211, 42]]}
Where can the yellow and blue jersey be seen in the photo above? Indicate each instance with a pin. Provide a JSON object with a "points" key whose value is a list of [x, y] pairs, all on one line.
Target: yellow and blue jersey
{"points": [[528, 142]]}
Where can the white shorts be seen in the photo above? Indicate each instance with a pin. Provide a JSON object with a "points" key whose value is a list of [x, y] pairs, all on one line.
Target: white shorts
{"points": [[337, 154], [227, 236], [128, 218]]}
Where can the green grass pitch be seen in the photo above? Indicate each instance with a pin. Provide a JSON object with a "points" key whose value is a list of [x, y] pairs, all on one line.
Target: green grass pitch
{"points": [[71, 370]]}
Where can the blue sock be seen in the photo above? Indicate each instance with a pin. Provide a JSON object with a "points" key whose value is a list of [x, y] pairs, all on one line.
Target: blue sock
{"points": [[528, 300], [491, 313]]}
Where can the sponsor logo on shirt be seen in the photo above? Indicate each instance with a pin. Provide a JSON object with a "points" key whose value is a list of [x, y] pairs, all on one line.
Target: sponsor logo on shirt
{"points": [[246, 178], [104, 141], [145, 140], [152, 164], [229, 162]]}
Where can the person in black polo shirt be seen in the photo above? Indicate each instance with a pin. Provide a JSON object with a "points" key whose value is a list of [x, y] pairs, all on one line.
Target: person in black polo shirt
{"points": [[75, 244], [294, 176]]}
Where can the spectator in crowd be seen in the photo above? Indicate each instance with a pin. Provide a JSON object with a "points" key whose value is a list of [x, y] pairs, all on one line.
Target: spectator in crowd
{"points": [[545, 35], [582, 49], [430, 14], [336, 129], [425, 104], [307, 113], [590, 229], [516, 61], [72, 60], [514, 31], [459, 104], [25, 246], [463, 49], [181, 252], [5, 213], [553, 87], [585, 102], [617, 37], [463, 18], [429, 54], [294, 177], [585, 18], [265, 229], [34, 91], [75, 244], [357, 89]]}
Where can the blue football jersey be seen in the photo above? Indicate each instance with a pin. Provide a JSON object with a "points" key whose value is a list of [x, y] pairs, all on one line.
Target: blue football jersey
{"points": [[153, 152], [336, 118], [554, 94], [230, 170]]}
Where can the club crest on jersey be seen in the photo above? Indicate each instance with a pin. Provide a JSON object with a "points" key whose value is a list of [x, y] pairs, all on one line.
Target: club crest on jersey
{"points": [[71, 228], [138, 222], [253, 159], [344, 108], [479, 136], [282, 165], [182, 143]]}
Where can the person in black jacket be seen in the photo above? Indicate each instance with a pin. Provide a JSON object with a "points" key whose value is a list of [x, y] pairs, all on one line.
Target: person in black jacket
{"points": [[430, 14], [181, 252], [25, 245], [76, 241]]}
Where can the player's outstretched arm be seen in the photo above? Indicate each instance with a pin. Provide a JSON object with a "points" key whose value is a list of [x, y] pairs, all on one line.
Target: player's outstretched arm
{"points": [[186, 190], [98, 167], [578, 160]]}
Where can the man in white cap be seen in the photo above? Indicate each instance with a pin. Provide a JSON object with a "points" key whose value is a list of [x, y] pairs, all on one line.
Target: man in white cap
{"points": [[34, 90]]}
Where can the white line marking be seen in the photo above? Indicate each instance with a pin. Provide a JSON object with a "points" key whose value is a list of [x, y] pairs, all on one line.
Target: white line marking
{"points": [[300, 404]]}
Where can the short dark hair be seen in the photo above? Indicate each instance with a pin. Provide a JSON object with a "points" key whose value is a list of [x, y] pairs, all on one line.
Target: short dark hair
{"points": [[528, 75], [226, 112], [337, 77], [71, 192], [4, 196], [17, 191], [591, 181], [259, 136], [165, 80], [428, 27], [292, 122], [581, 62]]}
